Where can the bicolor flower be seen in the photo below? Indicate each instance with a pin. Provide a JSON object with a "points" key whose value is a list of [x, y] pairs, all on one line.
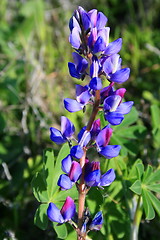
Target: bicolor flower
{"points": [[97, 222], [93, 175], [82, 98], [114, 109], [102, 140], [73, 172], [67, 211], [113, 71], [66, 133], [78, 68]]}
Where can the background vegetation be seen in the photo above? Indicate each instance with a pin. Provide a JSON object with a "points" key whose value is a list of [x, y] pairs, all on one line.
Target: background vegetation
{"points": [[34, 52]]}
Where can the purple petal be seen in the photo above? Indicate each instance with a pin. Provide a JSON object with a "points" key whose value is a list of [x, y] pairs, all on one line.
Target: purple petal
{"points": [[114, 118], [113, 47], [120, 92], [75, 171], [56, 136], [67, 127], [92, 38], [74, 38], [104, 33], [97, 222], [93, 16], [85, 20], [74, 23], [76, 151], [111, 103], [95, 83], [125, 107], [64, 182], [92, 178], [101, 20], [95, 128], [54, 213], [73, 71], [107, 66], [120, 76], [83, 94], [104, 136], [99, 45], [110, 151], [69, 209], [84, 137], [66, 164], [107, 178], [72, 105]]}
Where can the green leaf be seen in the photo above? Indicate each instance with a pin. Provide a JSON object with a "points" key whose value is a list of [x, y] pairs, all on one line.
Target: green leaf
{"points": [[153, 177], [39, 188], [61, 231], [140, 170], [147, 173], [132, 132], [155, 114], [149, 211], [154, 187], [136, 187], [133, 171], [61, 196], [155, 202], [41, 219]]}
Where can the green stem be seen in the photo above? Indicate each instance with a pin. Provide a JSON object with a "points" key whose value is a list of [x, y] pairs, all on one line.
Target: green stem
{"points": [[137, 219]]}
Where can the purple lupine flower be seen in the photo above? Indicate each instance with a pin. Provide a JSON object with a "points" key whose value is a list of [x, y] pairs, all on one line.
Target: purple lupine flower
{"points": [[113, 71], [66, 133], [65, 214], [82, 98], [97, 222], [102, 140], [114, 109], [78, 68], [73, 172], [93, 175]]}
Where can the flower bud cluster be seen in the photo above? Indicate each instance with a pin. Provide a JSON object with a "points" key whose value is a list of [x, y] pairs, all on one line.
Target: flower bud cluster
{"points": [[96, 60]]}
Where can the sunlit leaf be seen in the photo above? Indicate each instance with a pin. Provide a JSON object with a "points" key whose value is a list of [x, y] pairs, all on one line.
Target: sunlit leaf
{"points": [[41, 219], [61, 231], [147, 204], [136, 187]]}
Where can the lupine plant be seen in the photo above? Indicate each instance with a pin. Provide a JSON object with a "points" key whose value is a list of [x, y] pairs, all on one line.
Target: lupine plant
{"points": [[97, 63]]}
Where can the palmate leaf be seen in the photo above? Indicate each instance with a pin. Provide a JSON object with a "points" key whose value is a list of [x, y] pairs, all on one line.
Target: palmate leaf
{"points": [[136, 187], [45, 188], [147, 204]]}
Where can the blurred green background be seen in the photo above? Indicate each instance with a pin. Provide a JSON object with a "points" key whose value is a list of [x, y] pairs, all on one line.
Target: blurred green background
{"points": [[34, 79]]}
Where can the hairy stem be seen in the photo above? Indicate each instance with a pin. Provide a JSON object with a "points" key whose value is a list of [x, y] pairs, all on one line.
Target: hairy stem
{"points": [[82, 187]]}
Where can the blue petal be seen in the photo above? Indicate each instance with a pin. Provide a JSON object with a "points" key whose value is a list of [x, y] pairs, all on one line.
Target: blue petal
{"points": [[72, 105], [125, 108], [114, 47], [84, 137], [68, 209], [101, 20], [85, 20], [110, 151], [120, 76], [56, 136], [107, 66], [73, 71], [76, 151], [64, 182], [97, 222], [66, 164], [111, 103], [54, 213], [92, 178], [75, 171], [95, 83], [107, 178], [114, 118], [104, 136], [99, 45], [74, 38], [67, 127]]}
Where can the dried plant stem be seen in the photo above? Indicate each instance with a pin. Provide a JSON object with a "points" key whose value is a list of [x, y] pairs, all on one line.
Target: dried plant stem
{"points": [[82, 187]]}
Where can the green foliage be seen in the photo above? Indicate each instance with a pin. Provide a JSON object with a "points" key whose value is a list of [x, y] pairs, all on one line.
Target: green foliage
{"points": [[147, 182], [46, 190]]}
